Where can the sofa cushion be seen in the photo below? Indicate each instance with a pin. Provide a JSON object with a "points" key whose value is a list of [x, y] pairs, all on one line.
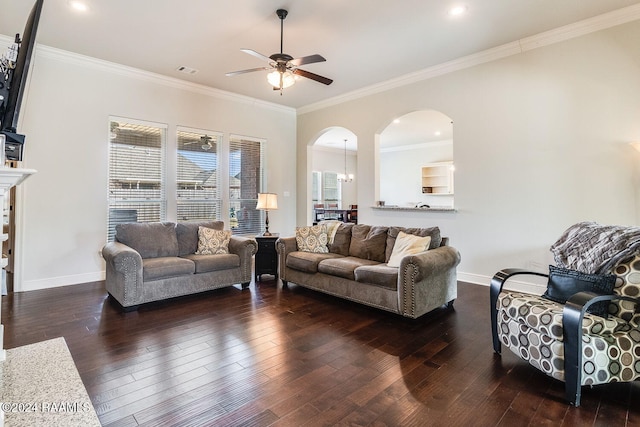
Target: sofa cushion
{"points": [[312, 239], [213, 242], [407, 244], [187, 234], [164, 267], [149, 239], [368, 242], [342, 239], [307, 261], [545, 316], [208, 263], [433, 232], [343, 266], [379, 274]]}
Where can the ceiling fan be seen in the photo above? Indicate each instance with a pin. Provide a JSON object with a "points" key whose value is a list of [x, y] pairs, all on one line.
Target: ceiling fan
{"points": [[284, 67], [205, 140]]}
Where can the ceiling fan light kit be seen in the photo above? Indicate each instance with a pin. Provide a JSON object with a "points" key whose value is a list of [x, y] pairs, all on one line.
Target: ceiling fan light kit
{"points": [[281, 80], [284, 68]]}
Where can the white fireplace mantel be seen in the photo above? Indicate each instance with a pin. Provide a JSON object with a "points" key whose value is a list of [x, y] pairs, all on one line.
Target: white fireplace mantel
{"points": [[9, 177]]}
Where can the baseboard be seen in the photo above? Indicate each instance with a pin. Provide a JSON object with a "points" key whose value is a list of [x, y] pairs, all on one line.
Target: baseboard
{"points": [[55, 282], [512, 284]]}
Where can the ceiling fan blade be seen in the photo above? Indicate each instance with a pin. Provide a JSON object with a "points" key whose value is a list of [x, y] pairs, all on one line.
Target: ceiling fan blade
{"points": [[313, 76], [306, 60], [250, 70], [257, 54]]}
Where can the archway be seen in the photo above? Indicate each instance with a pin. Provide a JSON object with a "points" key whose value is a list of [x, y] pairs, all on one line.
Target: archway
{"points": [[416, 160], [334, 169]]}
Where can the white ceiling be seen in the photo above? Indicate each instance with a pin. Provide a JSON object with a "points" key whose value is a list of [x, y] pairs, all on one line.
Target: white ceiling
{"points": [[364, 42]]}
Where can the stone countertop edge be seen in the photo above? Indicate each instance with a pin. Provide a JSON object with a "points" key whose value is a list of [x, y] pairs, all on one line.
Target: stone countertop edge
{"points": [[412, 209]]}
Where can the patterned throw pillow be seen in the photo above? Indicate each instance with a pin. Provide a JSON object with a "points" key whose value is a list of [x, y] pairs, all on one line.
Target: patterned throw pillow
{"points": [[312, 239], [212, 242], [407, 244]]}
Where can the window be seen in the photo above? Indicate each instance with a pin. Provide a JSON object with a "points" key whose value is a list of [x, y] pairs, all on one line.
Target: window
{"points": [[246, 160], [215, 180], [316, 190], [198, 191], [331, 188], [136, 179]]}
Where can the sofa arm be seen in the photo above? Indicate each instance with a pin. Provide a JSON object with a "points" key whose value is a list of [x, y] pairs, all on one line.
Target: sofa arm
{"points": [[427, 280], [123, 273], [284, 245], [245, 248]]}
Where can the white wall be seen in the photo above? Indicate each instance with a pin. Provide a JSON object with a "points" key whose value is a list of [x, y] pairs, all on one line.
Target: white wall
{"points": [[63, 215], [541, 141], [401, 173]]}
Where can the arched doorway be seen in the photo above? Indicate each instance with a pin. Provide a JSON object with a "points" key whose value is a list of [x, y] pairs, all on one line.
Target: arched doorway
{"points": [[334, 169]]}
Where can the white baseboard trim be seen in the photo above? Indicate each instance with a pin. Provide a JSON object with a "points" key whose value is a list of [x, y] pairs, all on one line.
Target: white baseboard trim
{"points": [[512, 284], [55, 282]]}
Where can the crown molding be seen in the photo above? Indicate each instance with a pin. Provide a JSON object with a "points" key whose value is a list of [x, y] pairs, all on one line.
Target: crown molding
{"points": [[557, 35], [130, 72]]}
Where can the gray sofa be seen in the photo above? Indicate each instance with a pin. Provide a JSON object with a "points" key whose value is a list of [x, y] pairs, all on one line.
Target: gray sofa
{"points": [[355, 268], [155, 261]]}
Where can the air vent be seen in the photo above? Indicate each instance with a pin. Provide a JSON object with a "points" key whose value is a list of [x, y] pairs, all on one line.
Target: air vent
{"points": [[186, 70]]}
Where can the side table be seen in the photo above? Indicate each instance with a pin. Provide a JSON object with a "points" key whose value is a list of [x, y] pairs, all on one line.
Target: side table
{"points": [[267, 256]]}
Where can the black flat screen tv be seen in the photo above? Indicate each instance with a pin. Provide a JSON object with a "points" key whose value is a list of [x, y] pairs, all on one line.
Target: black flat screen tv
{"points": [[13, 84]]}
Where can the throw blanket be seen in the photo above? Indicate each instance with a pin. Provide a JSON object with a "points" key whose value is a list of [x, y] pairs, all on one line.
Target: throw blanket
{"points": [[593, 248]]}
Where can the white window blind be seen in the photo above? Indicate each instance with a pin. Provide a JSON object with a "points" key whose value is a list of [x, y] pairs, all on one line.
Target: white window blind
{"points": [[316, 191], [246, 160], [331, 188], [198, 191], [136, 177]]}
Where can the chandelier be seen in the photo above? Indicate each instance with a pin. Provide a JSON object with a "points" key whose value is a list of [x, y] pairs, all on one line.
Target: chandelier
{"points": [[345, 177]]}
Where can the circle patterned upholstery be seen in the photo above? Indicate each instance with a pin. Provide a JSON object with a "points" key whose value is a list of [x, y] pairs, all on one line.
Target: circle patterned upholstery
{"points": [[531, 327]]}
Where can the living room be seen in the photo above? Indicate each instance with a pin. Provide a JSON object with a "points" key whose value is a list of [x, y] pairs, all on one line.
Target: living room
{"points": [[543, 127]]}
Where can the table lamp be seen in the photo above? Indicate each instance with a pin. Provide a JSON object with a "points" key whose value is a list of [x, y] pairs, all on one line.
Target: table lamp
{"points": [[267, 202]]}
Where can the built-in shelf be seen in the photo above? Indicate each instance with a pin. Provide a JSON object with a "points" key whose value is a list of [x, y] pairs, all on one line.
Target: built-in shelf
{"points": [[437, 179], [412, 209]]}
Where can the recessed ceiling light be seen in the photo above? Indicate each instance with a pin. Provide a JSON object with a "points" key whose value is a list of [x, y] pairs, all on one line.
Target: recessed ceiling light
{"points": [[458, 10], [437, 133], [78, 5], [396, 121]]}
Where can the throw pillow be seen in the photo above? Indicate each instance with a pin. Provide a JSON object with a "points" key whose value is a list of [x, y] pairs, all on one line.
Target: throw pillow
{"points": [[433, 232], [407, 244], [563, 283], [368, 242], [312, 239], [212, 242]]}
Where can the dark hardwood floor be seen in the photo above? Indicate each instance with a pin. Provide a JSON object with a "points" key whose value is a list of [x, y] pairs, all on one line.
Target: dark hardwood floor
{"points": [[290, 357]]}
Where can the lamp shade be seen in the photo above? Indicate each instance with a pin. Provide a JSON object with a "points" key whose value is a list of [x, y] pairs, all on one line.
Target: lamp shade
{"points": [[288, 79], [267, 201]]}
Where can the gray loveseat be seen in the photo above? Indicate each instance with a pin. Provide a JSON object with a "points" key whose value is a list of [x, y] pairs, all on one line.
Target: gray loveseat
{"points": [[355, 268], [155, 261]]}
